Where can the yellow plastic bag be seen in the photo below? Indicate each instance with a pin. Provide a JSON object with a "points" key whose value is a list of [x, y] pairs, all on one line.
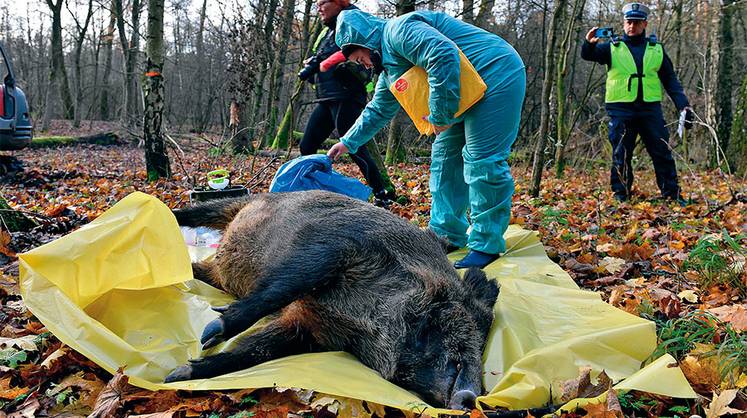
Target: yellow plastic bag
{"points": [[119, 290], [413, 91]]}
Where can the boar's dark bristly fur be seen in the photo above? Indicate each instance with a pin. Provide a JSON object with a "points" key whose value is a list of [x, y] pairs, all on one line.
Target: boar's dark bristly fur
{"points": [[340, 274]]}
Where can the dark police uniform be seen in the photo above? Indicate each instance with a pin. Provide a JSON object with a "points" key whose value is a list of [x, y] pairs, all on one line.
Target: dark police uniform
{"points": [[634, 106], [341, 96]]}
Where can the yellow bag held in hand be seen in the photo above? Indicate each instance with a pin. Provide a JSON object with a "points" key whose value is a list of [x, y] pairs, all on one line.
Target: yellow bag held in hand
{"points": [[413, 91]]}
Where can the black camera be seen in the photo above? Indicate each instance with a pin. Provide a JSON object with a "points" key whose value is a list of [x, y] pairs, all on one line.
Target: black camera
{"points": [[311, 68]]}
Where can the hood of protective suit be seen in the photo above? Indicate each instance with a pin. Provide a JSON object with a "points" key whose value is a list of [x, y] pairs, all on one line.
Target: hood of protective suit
{"points": [[356, 27]]}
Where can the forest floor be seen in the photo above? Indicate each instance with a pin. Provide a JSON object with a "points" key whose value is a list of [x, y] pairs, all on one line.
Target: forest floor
{"points": [[682, 267]]}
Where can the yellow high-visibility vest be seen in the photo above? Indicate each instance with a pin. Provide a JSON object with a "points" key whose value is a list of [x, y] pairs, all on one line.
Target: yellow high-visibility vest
{"points": [[623, 77]]}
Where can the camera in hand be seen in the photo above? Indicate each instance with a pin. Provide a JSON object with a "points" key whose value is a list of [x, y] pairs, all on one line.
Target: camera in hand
{"points": [[311, 68], [603, 33]]}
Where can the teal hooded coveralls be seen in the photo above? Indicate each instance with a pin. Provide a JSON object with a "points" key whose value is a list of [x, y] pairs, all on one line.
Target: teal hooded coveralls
{"points": [[468, 165]]}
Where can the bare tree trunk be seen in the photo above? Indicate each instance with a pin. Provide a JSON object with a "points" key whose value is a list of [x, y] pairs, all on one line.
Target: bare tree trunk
{"points": [[130, 49], [40, 76], [80, 37], [678, 31], [711, 58], [737, 151], [201, 30], [96, 42], [562, 126], [285, 130], [468, 11], [278, 64], [259, 89], [485, 14], [394, 150], [57, 75], [105, 105], [724, 81], [404, 6], [156, 161], [200, 112], [539, 152], [306, 27]]}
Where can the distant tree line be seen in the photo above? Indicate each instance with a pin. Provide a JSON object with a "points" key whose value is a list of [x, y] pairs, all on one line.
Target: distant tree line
{"points": [[230, 67]]}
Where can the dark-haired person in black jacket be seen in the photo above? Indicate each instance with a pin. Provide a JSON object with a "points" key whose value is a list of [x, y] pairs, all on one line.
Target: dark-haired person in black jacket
{"points": [[637, 67], [341, 96]]}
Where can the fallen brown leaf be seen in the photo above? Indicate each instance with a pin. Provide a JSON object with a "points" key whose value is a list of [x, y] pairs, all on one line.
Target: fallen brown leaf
{"points": [[56, 355], [7, 392], [577, 267], [4, 241], [89, 388], [625, 300], [720, 404], [736, 315], [110, 399], [609, 409], [197, 406], [476, 413], [148, 401], [27, 409], [702, 372], [582, 387]]}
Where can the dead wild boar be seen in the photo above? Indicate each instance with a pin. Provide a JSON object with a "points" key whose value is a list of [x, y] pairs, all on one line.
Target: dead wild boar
{"points": [[341, 274]]}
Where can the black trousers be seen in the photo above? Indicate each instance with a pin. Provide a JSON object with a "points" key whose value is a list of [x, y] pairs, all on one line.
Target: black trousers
{"points": [[339, 114], [623, 130]]}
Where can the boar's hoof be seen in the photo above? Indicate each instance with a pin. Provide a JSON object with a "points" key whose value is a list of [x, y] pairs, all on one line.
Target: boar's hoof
{"points": [[463, 399], [180, 373], [213, 334]]}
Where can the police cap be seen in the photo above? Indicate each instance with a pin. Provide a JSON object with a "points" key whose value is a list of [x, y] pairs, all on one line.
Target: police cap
{"points": [[635, 11]]}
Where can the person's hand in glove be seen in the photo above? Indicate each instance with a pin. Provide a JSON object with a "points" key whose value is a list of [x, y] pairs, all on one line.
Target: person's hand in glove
{"points": [[311, 67], [689, 117], [306, 73]]}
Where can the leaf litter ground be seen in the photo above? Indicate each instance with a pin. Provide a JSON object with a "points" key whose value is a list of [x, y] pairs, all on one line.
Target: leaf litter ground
{"points": [[649, 257]]}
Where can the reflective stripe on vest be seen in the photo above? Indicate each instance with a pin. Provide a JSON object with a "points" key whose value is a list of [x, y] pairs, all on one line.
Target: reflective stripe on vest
{"points": [[319, 39], [623, 76]]}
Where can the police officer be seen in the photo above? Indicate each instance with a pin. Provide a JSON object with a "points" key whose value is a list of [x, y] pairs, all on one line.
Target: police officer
{"points": [[341, 96], [637, 67]]}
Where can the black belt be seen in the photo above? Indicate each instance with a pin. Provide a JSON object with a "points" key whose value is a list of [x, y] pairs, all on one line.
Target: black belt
{"points": [[639, 76]]}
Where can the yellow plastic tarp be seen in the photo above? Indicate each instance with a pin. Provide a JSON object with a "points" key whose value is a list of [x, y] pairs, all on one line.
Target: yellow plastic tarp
{"points": [[412, 91], [119, 290]]}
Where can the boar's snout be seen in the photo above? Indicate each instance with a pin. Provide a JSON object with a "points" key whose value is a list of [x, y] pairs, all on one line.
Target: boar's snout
{"points": [[463, 399], [432, 383], [467, 386]]}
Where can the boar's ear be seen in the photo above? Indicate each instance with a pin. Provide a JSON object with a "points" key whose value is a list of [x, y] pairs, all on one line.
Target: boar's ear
{"points": [[481, 289]]}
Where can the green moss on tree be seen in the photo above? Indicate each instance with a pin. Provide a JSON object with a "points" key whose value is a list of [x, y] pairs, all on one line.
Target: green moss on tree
{"points": [[737, 152], [13, 220]]}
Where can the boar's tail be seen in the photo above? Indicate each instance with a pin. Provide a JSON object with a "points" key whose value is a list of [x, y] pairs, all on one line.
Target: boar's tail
{"points": [[480, 288], [205, 272], [215, 214]]}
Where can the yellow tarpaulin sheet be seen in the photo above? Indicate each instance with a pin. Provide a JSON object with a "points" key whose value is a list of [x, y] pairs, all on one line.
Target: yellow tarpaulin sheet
{"points": [[119, 290]]}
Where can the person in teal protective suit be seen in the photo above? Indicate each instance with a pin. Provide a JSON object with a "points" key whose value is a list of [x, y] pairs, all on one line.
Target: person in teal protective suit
{"points": [[468, 165]]}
